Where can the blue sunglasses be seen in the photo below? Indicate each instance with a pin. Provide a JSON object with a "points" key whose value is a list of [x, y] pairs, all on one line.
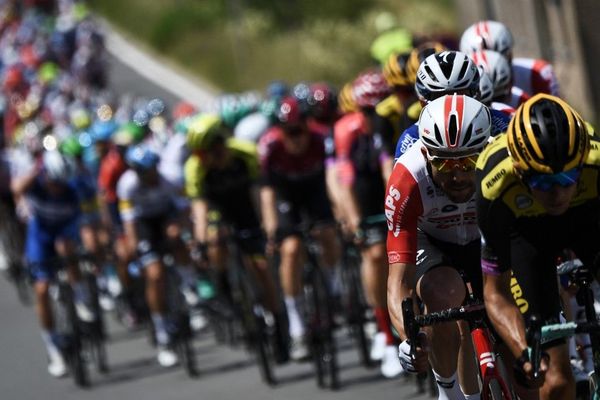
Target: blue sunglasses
{"points": [[545, 182]]}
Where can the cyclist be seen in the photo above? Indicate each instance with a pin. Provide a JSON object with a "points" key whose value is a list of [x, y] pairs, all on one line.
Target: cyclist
{"points": [[292, 162], [537, 195], [363, 165], [496, 66], [147, 205], [459, 75], [52, 232], [220, 176], [532, 76], [432, 232]]}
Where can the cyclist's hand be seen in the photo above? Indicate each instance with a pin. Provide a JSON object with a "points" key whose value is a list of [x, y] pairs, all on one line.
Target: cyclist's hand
{"points": [[524, 373], [413, 364]]}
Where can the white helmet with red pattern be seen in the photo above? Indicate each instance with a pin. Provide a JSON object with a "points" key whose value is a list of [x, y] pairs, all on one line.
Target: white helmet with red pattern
{"points": [[497, 68], [455, 124], [487, 35]]}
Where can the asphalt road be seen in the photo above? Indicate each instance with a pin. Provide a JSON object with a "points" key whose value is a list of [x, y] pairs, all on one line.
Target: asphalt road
{"points": [[225, 373]]}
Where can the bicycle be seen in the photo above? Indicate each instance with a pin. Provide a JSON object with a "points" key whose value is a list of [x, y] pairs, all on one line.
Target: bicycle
{"points": [[319, 316], [257, 323], [492, 375], [538, 334]]}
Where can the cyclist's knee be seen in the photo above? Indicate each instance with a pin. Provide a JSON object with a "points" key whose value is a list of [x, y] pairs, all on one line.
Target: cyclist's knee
{"points": [[41, 288], [291, 247], [154, 272], [441, 288]]}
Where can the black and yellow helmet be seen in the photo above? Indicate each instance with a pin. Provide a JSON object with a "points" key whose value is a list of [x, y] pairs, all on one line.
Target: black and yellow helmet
{"points": [[346, 102], [547, 136], [395, 70]]}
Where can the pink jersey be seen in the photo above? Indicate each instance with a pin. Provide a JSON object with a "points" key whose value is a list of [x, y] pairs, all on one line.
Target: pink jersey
{"points": [[414, 202], [534, 76]]}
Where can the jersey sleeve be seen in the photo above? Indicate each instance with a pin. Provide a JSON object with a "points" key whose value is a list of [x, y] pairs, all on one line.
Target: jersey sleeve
{"points": [[125, 196], [403, 207], [265, 153], [407, 139], [494, 220], [344, 135], [192, 175]]}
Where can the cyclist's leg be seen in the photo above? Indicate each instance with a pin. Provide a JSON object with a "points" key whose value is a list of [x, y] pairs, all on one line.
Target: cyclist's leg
{"points": [[39, 251], [440, 286]]}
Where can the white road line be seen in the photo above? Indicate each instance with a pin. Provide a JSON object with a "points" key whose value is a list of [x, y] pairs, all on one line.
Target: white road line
{"points": [[180, 84]]}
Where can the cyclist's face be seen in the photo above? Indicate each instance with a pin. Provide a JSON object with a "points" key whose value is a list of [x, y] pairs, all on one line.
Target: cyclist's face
{"points": [[458, 184], [556, 201], [296, 139]]}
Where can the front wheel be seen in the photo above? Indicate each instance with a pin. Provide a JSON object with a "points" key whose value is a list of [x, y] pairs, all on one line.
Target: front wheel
{"points": [[496, 391]]}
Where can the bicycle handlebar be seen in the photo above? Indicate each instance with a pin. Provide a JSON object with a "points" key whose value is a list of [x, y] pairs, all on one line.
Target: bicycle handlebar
{"points": [[466, 312]]}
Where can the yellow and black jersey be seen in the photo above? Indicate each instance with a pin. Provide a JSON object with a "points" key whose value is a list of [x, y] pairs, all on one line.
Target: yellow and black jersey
{"points": [[392, 119], [506, 207]]}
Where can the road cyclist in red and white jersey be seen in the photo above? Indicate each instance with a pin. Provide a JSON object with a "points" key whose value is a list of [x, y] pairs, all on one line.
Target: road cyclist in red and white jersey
{"points": [[432, 233], [530, 75], [363, 164]]}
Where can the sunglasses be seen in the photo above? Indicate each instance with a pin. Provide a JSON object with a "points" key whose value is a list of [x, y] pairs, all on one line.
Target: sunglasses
{"points": [[545, 182], [445, 165]]}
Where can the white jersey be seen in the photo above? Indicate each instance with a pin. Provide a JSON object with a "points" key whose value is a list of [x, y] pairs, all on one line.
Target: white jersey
{"points": [[172, 159], [413, 201], [137, 201]]}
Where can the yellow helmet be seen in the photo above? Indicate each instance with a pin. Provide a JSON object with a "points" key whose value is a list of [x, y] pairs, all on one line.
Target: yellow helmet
{"points": [[346, 101], [203, 130], [546, 135]]}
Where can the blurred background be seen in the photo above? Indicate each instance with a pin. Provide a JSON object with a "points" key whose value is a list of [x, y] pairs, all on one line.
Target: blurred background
{"points": [[241, 45]]}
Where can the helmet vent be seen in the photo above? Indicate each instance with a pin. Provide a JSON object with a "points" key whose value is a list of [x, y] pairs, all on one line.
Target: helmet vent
{"points": [[452, 130], [438, 135]]}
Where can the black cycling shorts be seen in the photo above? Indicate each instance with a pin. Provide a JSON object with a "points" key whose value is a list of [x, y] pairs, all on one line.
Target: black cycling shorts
{"points": [[312, 207], [375, 233], [152, 237], [433, 253]]}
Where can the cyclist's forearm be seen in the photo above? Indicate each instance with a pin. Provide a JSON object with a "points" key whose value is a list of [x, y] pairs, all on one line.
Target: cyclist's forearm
{"points": [[401, 284], [200, 219], [268, 211], [504, 314]]}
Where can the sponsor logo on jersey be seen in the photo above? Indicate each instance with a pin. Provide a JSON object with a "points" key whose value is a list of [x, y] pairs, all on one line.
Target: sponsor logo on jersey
{"points": [[391, 201], [523, 201], [495, 178], [393, 257], [517, 293]]}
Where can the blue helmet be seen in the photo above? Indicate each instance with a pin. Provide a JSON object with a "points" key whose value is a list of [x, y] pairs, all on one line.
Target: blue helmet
{"points": [[140, 157], [102, 131]]}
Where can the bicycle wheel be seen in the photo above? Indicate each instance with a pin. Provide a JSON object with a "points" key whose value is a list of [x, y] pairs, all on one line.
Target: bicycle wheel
{"points": [[496, 391], [75, 348], [356, 309], [252, 321], [322, 331], [97, 335]]}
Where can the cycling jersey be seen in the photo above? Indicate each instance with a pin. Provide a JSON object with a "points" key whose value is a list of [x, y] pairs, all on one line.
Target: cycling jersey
{"points": [[111, 169], [172, 159], [534, 76], [359, 155], [53, 209], [144, 201], [414, 202], [503, 108], [391, 119], [517, 97], [520, 236], [227, 189], [85, 185], [251, 127], [505, 203], [500, 120], [286, 172]]}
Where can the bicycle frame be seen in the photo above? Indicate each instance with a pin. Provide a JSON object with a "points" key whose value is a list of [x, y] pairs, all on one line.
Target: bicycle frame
{"points": [[486, 356]]}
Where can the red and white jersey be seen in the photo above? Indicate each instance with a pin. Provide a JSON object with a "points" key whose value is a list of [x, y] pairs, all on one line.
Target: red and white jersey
{"points": [[503, 108], [517, 97], [413, 201], [534, 76]]}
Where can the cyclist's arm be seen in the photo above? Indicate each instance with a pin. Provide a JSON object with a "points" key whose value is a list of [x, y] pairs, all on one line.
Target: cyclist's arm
{"points": [[503, 312], [401, 284], [22, 184], [268, 210], [200, 219]]}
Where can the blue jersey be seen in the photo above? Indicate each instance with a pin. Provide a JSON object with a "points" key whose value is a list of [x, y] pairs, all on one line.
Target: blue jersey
{"points": [[499, 124], [53, 209]]}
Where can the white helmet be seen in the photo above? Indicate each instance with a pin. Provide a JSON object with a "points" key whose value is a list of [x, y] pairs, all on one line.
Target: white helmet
{"points": [[487, 35], [445, 73], [455, 124], [497, 68], [56, 167], [486, 87]]}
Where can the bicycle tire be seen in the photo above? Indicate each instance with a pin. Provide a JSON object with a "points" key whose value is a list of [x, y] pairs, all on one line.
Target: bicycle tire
{"points": [[97, 335], [255, 335], [75, 350], [322, 328], [357, 308], [495, 391]]}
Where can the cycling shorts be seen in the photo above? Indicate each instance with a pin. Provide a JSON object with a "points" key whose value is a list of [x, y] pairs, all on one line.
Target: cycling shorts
{"points": [[152, 236], [375, 233], [313, 208], [115, 217], [40, 251], [433, 253]]}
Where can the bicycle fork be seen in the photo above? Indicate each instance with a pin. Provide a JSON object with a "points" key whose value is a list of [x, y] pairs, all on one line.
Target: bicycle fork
{"points": [[486, 358]]}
